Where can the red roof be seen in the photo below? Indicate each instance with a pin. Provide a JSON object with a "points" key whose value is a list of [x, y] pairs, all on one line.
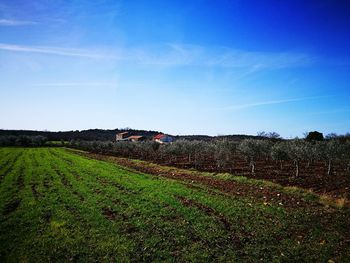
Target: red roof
{"points": [[159, 136]]}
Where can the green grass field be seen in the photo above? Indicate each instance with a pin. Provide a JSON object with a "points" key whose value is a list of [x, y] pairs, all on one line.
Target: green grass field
{"points": [[59, 206]]}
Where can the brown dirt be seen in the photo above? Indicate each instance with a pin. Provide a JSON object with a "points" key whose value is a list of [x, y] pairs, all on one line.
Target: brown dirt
{"points": [[312, 176], [108, 213]]}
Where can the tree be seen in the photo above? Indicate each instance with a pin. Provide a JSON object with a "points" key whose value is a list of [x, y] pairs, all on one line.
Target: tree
{"points": [[250, 149], [329, 152], [224, 154], [279, 152], [23, 140], [331, 136], [310, 153], [38, 140], [264, 148], [201, 151], [269, 135], [295, 151], [314, 136]]}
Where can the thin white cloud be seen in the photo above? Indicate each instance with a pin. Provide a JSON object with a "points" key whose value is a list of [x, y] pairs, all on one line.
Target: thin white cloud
{"points": [[264, 103], [11, 22], [193, 55], [170, 55], [76, 84], [54, 51]]}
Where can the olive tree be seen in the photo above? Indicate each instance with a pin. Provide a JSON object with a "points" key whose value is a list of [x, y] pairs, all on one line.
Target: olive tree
{"points": [[251, 150], [265, 148], [185, 147], [224, 154], [179, 149], [148, 149], [296, 153], [201, 150], [329, 151], [310, 153], [279, 152]]}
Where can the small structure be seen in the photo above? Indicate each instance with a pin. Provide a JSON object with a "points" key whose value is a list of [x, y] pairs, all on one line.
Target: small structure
{"points": [[121, 136], [135, 138], [163, 138]]}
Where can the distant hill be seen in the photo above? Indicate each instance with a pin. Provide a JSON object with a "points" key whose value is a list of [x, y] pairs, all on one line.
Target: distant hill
{"points": [[86, 135], [109, 135]]}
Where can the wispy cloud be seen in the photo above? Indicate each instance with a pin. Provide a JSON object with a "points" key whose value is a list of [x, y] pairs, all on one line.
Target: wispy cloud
{"points": [[54, 51], [76, 84], [11, 22], [170, 55], [194, 55], [264, 103]]}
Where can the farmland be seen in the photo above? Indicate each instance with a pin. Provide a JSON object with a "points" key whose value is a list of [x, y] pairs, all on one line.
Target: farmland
{"points": [[63, 205], [322, 166]]}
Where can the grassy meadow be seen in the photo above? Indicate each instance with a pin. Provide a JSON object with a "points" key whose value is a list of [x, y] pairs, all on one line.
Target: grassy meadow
{"points": [[56, 205]]}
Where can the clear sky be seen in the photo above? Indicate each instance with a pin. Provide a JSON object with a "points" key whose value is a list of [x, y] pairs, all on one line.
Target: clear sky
{"points": [[181, 67]]}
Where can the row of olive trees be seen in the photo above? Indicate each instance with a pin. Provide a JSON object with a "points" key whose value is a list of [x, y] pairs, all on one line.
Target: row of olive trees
{"points": [[195, 153], [298, 150], [224, 153], [23, 140]]}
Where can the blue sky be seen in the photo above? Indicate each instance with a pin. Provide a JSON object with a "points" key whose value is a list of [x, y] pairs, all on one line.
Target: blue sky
{"points": [[181, 67]]}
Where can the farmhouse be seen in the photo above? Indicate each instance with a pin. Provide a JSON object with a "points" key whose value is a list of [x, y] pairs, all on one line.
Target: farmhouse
{"points": [[121, 136], [135, 138], [163, 138]]}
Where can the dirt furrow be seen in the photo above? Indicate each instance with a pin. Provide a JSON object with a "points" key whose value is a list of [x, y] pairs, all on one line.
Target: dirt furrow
{"points": [[10, 166]]}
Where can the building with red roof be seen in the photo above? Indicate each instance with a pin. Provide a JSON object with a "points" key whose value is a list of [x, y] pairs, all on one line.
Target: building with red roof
{"points": [[163, 138]]}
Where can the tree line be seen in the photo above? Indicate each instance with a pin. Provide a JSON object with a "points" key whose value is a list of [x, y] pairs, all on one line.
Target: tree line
{"points": [[23, 140], [109, 135]]}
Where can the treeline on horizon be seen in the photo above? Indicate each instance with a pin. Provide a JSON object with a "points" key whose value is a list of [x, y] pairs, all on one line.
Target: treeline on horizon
{"points": [[109, 135]]}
